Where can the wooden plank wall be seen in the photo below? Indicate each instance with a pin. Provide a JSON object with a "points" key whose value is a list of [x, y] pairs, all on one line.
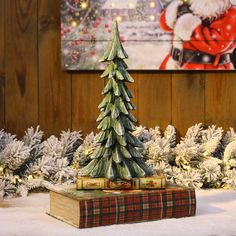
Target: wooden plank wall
{"points": [[21, 65], [2, 65], [34, 90]]}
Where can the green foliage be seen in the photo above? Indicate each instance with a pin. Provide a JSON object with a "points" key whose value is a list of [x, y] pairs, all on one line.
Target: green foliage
{"points": [[118, 153]]}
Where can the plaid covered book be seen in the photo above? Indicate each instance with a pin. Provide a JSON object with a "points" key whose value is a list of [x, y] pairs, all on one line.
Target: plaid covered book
{"points": [[85, 209], [153, 182]]}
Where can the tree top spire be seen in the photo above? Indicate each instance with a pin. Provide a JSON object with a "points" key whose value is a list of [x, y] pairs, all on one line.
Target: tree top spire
{"points": [[115, 50]]}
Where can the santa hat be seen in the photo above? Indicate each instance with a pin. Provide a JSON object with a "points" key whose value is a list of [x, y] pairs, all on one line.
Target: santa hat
{"points": [[171, 13], [209, 8], [202, 9]]}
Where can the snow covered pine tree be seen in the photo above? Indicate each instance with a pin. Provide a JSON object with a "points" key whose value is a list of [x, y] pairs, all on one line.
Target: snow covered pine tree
{"points": [[117, 156]]}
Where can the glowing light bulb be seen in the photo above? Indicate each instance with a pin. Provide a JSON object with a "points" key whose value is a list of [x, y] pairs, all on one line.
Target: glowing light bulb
{"points": [[113, 4], [83, 5], [73, 23], [16, 179], [131, 5], [152, 17], [152, 4], [119, 18], [30, 177], [205, 153], [1, 169], [88, 152]]}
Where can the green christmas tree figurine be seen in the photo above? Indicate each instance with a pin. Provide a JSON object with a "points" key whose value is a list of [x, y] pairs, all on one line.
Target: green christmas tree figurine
{"points": [[118, 155]]}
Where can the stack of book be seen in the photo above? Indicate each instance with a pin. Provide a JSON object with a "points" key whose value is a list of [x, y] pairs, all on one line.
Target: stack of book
{"points": [[92, 208]]}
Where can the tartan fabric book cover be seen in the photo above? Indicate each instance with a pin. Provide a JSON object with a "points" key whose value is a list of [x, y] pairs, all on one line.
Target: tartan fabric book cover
{"points": [[85, 209]]}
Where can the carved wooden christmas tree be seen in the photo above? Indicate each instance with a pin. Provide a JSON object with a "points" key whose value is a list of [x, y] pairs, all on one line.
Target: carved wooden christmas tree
{"points": [[118, 155]]}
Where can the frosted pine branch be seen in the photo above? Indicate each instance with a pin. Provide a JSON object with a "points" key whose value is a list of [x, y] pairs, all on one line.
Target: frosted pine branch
{"points": [[229, 179], [170, 135], [211, 133], [189, 178], [229, 137], [5, 138], [229, 157], [158, 150], [70, 141], [188, 154], [33, 138], [194, 133], [211, 172], [155, 133], [85, 150], [142, 134], [11, 186], [14, 155]]}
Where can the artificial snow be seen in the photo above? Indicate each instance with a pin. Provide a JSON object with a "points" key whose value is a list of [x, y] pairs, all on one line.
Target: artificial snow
{"points": [[216, 214]]}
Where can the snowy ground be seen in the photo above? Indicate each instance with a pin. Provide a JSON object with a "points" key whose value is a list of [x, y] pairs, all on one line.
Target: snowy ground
{"points": [[216, 214]]}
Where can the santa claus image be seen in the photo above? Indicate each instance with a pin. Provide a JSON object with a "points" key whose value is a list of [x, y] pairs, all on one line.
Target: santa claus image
{"points": [[204, 34]]}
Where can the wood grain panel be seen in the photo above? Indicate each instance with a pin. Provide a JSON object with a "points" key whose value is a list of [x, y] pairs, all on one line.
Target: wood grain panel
{"points": [[54, 84], [34, 89], [21, 65], [221, 99], [187, 100], [86, 96], [154, 99], [2, 65]]}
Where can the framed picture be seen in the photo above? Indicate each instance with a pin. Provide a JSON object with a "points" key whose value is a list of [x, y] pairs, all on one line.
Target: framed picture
{"points": [[157, 34]]}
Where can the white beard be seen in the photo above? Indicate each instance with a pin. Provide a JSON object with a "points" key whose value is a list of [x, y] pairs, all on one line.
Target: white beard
{"points": [[209, 8]]}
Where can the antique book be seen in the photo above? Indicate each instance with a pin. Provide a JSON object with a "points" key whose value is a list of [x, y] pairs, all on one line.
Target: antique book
{"points": [[92, 208], [154, 182]]}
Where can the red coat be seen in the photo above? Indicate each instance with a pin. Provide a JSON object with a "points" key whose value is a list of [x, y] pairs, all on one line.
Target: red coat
{"points": [[217, 39]]}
